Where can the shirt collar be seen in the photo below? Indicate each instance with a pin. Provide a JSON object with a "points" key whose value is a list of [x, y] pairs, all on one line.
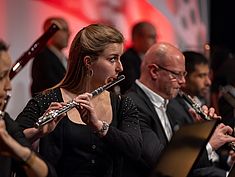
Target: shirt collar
{"points": [[156, 99]]}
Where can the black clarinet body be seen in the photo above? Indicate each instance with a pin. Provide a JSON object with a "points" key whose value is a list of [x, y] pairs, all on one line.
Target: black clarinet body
{"points": [[199, 111], [194, 105]]}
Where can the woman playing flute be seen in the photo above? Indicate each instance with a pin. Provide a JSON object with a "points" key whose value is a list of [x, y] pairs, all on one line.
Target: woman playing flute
{"points": [[89, 141]]}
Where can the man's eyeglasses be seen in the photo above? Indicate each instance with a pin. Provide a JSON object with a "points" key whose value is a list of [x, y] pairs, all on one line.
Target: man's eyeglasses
{"points": [[174, 74]]}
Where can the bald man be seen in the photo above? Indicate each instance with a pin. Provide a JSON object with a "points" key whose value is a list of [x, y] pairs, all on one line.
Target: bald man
{"points": [[162, 75]]}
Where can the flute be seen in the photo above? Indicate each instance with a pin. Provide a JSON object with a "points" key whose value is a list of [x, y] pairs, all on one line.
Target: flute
{"points": [[48, 117], [199, 111]]}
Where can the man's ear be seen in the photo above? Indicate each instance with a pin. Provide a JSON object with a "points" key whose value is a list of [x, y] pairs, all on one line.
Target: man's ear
{"points": [[153, 71], [87, 61]]}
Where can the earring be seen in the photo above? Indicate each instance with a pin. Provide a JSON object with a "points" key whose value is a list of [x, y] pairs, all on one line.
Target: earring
{"points": [[90, 73]]}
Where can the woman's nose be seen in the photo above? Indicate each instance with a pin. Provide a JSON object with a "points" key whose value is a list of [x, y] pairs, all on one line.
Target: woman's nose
{"points": [[119, 67], [8, 86]]}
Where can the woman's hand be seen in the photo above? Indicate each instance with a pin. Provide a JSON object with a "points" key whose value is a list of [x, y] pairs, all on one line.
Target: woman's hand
{"points": [[32, 134], [87, 111], [50, 126]]}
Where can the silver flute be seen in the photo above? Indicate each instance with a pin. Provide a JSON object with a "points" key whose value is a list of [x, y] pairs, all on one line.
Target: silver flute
{"points": [[199, 111], [48, 117]]}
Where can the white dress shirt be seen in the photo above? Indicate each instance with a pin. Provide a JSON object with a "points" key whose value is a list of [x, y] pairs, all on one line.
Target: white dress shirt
{"points": [[160, 105]]}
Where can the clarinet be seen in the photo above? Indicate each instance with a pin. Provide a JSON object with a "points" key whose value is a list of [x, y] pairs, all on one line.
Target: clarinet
{"points": [[48, 117], [194, 105], [199, 111], [36, 47], [2, 111]]}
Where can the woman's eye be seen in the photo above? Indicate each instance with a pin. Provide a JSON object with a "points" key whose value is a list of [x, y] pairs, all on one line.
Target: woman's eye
{"points": [[113, 59]]}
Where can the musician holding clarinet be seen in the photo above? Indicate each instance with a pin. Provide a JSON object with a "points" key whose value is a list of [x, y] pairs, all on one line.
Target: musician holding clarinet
{"points": [[99, 127], [190, 103], [15, 152], [162, 76]]}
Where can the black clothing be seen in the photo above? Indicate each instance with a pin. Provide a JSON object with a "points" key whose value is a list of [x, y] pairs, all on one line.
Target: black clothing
{"points": [[208, 172], [154, 137], [47, 71], [178, 104], [131, 63], [14, 130], [227, 110], [75, 150], [10, 165], [181, 108]]}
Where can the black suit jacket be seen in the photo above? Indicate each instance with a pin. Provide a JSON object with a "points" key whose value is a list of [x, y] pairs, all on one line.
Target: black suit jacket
{"points": [[226, 110], [131, 62], [179, 105], [47, 71], [154, 138], [204, 168]]}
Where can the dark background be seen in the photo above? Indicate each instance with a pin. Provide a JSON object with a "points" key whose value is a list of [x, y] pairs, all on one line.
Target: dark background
{"points": [[222, 26]]}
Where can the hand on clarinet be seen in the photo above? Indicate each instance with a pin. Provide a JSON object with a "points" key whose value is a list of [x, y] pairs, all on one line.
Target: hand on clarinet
{"points": [[209, 112], [231, 158], [221, 136]]}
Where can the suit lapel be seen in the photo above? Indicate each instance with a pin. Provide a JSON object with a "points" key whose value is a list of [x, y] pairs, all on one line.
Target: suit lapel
{"points": [[156, 126]]}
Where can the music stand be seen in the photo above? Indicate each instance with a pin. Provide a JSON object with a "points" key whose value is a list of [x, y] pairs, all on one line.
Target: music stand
{"points": [[232, 171], [184, 149]]}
